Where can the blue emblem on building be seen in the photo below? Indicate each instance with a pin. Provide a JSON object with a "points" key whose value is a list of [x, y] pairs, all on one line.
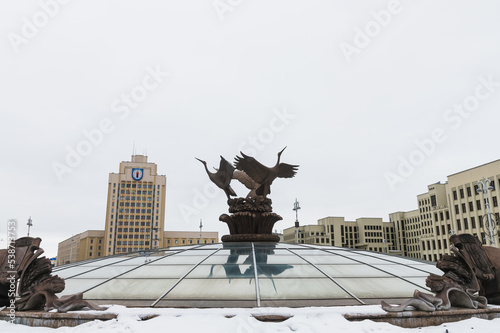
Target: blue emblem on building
{"points": [[137, 174]]}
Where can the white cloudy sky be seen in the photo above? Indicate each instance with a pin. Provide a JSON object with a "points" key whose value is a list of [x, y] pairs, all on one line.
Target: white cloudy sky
{"points": [[354, 96]]}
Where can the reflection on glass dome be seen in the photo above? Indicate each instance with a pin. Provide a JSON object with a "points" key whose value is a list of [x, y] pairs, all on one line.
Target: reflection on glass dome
{"points": [[258, 266]]}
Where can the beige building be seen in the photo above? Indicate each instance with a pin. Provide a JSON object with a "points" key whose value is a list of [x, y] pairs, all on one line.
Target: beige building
{"points": [[454, 207], [86, 245], [180, 238], [372, 234], [135, 212]]}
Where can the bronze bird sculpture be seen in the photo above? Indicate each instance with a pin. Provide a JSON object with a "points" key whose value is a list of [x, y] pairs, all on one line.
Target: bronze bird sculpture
{"points": [[264, 175], [222, 178]]}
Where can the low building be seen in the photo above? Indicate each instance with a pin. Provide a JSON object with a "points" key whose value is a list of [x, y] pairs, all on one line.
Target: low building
{"points": [[180, 238], [83, 246], [372, 234]]}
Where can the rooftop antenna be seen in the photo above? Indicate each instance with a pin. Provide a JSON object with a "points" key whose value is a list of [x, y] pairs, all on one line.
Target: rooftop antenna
{"points": [[29, 224]]}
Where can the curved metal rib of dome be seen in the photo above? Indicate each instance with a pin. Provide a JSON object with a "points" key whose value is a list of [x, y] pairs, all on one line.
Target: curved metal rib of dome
{"points": [[247, 275]]}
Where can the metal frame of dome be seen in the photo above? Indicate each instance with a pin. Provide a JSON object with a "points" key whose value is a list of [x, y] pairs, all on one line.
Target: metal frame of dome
{"points": [[247, 275]]}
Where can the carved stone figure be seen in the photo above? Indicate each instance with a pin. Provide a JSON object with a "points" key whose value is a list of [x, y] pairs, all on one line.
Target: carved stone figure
{"points": [[470, 279], [36, 286]]}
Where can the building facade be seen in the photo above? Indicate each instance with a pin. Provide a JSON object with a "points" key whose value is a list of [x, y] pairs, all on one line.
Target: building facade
{"points": [[83, 246], [135, 212], [454, 207], [180, 238], [372, 234]]}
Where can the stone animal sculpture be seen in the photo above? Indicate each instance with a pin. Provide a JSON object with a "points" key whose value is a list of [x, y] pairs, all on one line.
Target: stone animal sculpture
{"points": [[264, 175], [30, 275], [222, 177], [470, 279]]}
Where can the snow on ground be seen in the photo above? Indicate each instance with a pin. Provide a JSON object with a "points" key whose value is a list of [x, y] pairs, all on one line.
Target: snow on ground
{"points": [[314, 319]]}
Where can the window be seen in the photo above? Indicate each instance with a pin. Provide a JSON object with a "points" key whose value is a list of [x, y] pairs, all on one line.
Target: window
{"points": [[466, 223], [455, 195], [461, 193], [471, 206], [459, 226], [478, 204], [463, 208], [495, 201], [456, 210], [469, 192], [433, 201], [473, 222]]}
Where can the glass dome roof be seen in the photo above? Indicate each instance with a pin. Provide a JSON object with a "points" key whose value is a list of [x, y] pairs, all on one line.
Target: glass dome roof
{"points": [[247, 275]]}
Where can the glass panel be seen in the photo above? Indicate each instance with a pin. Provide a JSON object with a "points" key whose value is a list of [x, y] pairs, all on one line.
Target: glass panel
{"points": [[289, 259], [131, 289], [420, 282], [214, 289], [103, 262], [225, 257], [230, 271], [332, 259], [404, 271], [367, 259], [153, 272], [176, 259], [196, 252], [319, 288], [107, 272], [378, 287], [74, 286], [285, 271], [68, 273], [352, 271]]}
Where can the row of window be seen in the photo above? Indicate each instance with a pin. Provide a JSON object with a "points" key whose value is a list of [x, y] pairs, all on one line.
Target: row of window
{"points": [[469, 190], [119, 236]]}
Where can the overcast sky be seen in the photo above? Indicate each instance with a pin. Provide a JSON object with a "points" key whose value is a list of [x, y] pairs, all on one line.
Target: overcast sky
{"points": [[374, 100]]}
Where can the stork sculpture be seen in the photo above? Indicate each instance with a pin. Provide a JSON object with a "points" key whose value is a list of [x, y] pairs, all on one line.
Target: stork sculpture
{"points": [[264, 175], [222, 178], [251, 218]]}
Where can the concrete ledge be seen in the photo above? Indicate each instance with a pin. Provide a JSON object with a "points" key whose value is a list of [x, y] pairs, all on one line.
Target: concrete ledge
{"points": [[414, 319], [54, 319]]}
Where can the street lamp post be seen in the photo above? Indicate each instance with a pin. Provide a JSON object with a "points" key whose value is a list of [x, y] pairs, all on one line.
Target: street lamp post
{"points": [[483, 186], [201, 226], [296, 208]]}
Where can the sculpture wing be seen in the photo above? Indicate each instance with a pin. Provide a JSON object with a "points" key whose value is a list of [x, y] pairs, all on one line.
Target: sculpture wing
{"points": [[245, 179], [287, 170], [225, 172], [252, 167]]}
